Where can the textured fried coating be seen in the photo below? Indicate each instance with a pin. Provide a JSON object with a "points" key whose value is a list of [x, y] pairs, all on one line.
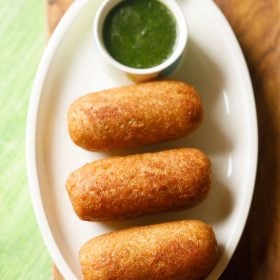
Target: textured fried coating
{"points": [[181, 250], [134, 115], [129, 186]]}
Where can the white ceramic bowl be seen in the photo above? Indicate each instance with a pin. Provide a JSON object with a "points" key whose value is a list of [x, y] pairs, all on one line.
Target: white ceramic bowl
{"points": [[167, 66]]}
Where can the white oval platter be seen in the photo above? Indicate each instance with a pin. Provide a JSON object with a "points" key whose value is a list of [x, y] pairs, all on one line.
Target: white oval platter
{"points": [[71, 67]]}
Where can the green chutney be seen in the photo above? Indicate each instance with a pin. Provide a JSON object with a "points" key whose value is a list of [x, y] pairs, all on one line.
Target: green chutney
{"points": [[140, 33]]}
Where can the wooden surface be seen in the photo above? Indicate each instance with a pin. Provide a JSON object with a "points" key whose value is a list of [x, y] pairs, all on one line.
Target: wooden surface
{"points": [[55, 10], [256, 24]]}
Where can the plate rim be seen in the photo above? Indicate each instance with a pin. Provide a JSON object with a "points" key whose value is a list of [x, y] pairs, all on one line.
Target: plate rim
{"points": [[31, 139], [253, 153]]}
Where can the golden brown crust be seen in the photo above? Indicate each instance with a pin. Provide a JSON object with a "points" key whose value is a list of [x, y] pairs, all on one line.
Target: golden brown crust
{"points": [[182, 250], [134, 115], [124, 187]]}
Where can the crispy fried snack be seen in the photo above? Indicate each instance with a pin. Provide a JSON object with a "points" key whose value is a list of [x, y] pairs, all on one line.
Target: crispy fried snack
{"points": [[124, 187], [182, 250], [134, 115]]}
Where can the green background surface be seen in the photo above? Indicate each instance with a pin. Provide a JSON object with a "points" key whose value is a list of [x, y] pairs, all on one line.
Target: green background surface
{"points": [[23, 254]]}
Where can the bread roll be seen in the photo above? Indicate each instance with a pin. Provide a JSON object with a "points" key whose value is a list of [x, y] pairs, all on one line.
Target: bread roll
{"points": [[134, 115], [182, 250], [123, 187]]}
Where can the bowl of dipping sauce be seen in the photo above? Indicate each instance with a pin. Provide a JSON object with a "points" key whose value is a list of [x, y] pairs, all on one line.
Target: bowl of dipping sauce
{"points": [[142, 38]]}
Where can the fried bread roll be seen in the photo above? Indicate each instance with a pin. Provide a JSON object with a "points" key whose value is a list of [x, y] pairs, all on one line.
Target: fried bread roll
{"points": [[134, 115], [123, 187], [181, 250]]}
